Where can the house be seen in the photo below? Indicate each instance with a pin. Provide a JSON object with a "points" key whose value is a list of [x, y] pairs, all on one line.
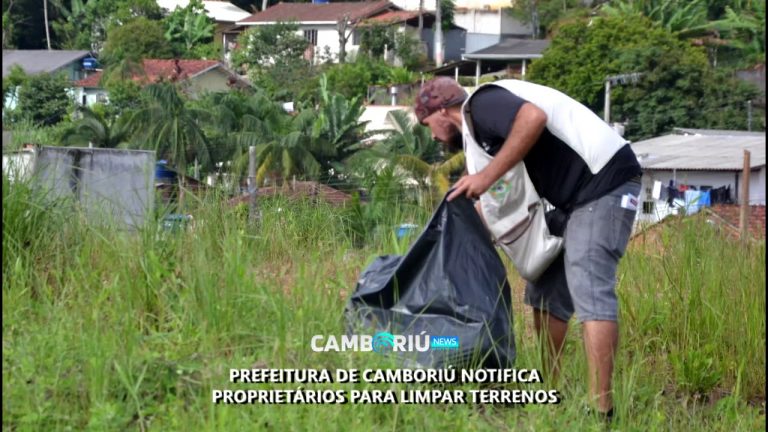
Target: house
{"points": [[454, 38], [76, 65], [317, 22], [223, 13], [199, 76], [50, 61], [510, 57], [678, 165], [511, 53]]}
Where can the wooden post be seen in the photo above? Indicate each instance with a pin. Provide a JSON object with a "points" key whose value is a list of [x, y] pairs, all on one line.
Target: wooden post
{"points": [[744, 216], [607, 106], [252, 188]]}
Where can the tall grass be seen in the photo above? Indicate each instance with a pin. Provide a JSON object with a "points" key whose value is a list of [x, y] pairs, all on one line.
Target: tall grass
{"points": [[105, 329]]}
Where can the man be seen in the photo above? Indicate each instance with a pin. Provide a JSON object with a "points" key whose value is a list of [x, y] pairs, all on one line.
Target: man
{"points": [[579, 165]]}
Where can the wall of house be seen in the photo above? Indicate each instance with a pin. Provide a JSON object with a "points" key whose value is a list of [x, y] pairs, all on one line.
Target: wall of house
{"points": [[714, 179], [478, 41], [478, 21], [328, 36], [453, 44], [213, 81], [91, 95], [414, 4], [513, 26]]}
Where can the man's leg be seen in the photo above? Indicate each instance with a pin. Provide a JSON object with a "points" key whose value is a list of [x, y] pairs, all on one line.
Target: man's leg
{"points": [[600, 342], [552, 308], [554, 329], [597, 237]]}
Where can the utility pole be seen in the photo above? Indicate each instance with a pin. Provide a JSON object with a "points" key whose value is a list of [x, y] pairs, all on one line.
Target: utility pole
{"points": [[749, 115], [438, 48], [744, 214], [47, 32], [253, 210], [627, 78], [607, 106]]}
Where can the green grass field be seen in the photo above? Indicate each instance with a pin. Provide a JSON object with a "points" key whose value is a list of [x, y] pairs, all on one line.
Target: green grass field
{"points": [[110, 330]]}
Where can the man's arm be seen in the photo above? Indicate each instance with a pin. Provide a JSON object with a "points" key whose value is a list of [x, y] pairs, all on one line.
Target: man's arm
{"points": [[525, 131]]}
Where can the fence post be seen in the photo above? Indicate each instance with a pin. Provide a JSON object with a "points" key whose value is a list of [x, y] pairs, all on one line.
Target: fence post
{"points": [[253, 211], [744, 215]]}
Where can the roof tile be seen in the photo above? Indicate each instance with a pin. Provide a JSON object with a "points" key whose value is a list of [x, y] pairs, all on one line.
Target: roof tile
{"points": [[159, 70], [329, 12]]}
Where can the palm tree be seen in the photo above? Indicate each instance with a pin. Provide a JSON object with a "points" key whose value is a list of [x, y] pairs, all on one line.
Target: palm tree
{"points": [[337, 132], [94, 129], [412, 149], [167, 125], [283, 142]]}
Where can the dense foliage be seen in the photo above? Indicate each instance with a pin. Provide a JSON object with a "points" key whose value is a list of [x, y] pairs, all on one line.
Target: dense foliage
{"points": [[678, 87]]}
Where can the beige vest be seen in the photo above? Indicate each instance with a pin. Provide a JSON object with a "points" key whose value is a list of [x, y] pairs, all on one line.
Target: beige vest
{"points": [[513, 211]]}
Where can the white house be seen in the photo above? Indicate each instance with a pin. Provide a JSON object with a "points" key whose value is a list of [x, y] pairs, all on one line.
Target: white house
{"points": [[701, 159], [317, 22]]}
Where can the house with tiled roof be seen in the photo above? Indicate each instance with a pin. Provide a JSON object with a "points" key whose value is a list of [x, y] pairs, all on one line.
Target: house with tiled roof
{"points": [[198, 77], [318, 23]]}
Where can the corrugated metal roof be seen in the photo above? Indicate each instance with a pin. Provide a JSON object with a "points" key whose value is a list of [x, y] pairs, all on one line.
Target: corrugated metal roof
{"points": [[37, 61], [715, 150], [220, 11], [511, 48]]}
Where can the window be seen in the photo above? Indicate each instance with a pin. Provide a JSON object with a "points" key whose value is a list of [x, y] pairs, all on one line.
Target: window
{"points": [[356, 37], [648, 207], [311, 36]]}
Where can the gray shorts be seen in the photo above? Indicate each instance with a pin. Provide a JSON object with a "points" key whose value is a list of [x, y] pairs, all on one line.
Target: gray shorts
{"points": [[583, 278]]}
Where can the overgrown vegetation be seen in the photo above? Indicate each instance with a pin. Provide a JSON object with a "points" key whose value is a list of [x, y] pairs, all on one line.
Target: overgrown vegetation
{"points": [[111, 330]]}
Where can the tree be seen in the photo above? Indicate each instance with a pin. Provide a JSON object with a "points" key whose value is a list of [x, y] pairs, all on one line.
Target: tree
{"points": [[543, 15], [188, 28], [167, 125], [412, 148], [337, 129], [678, 87], [447, 8], [85, 24], [375, 37], [739, 25], [7, 24], [44, 98], [69, 28], [95, 129], [274, 58], [138, 39]]}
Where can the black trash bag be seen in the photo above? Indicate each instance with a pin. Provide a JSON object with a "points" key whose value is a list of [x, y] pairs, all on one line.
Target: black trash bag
{"points": [[450, 283]]}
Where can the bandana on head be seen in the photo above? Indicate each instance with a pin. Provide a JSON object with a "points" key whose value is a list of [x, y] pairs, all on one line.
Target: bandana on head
{"points": [[437, 93]]}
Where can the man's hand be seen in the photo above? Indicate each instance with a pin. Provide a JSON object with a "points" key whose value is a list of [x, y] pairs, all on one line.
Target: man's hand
{"points": [[471, 186]]}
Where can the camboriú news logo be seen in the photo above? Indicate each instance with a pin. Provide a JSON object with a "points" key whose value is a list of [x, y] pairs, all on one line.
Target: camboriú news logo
{"points": [[384, 342]]}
